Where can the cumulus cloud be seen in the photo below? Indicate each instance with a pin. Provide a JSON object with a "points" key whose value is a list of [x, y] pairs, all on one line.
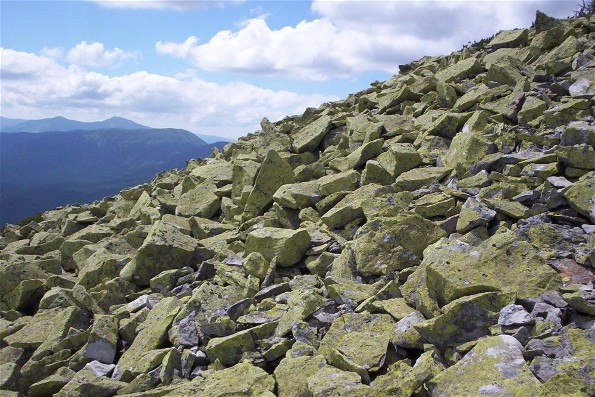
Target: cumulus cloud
{"points": [[178, 5], [176, 50], [95, 54], [36, 86], [351, 37]]}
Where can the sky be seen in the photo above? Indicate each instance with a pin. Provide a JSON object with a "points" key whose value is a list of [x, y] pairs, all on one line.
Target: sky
{"points": [[219, 67]]}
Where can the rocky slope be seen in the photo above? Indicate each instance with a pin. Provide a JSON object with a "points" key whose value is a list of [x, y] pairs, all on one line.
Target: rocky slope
{"points": [[431, 236]]}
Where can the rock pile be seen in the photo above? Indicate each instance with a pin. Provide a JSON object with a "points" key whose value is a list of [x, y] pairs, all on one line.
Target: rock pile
{"points": [[433, 235]]}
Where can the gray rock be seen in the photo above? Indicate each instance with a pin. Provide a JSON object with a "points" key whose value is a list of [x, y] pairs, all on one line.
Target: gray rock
{"points": [[514, 315]]}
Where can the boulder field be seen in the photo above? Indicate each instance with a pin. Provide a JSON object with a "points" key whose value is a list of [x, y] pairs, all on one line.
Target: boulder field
{"points": [[433, 235]]}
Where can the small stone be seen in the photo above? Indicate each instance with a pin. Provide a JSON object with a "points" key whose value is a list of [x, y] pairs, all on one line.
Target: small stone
{"points": [[514, 315]]}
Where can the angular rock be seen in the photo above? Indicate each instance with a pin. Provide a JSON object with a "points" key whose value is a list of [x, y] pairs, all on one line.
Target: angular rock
{"points": [[164, 248], [581, 196], [151, 336], [501, 263], [495, 366], [287, 246], [358, 342], [308, 138], [399, 158], [274, 172], [385, 245], [199, 201]]}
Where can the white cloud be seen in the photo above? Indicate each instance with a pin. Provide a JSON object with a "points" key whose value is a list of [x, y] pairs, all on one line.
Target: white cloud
{"points": [[176, 50], [36, 86], [52, 52], [94, 54], [178, 5], [351, 37]]}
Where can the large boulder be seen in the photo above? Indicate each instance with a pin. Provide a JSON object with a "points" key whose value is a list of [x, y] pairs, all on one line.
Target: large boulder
{"points": [[494, 367], [385, 245], [286, 245], [164, 248], [274, 172], [581, 196], [504, 262]]}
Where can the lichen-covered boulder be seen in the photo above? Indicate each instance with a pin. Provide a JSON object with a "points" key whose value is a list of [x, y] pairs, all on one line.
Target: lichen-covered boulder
{"points": [[298, 195], [399, 157], [152, 336], [47, 327], [353, 206], [464, 319], [164, 248], [286, 245], [581, 196], [86, 383], [384, 245], [229, 349], [345, 383], [473, 214], [463, 69], [101, 266], [420, 177], [292, 373], [510, 39], [495, 366], [308, 138], [302, 303], [200, 201], [358, 342], [343, 181], [467, 149], [359, 156], [274, 172], [504, 262]]}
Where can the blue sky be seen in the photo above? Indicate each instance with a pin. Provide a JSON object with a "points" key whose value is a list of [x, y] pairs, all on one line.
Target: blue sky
{"points": [[218, 67]]}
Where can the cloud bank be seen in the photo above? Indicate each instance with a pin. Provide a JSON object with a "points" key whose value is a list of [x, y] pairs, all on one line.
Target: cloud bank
{"points": [[353, 37], [37, 86]]}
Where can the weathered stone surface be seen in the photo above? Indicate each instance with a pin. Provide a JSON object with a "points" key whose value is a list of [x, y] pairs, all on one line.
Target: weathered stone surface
{"points": [[274, 172], [466, 150], [297, 195], [151, 336], [464, 319], [292, 373], [420, 177], [384, 245], [229, 349], [45, 328], [201, 201], [358, 342], [399, 158], [510, 39], [308, 138], [581, 196], [359, 156], [502, 263], [495, 366], [463, 69], [165, 247], [344, 181], [287, 246]]}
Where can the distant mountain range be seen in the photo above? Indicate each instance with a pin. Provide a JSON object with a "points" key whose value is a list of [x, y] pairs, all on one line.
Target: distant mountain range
{"points": [[60, 123], [40, 171]]}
